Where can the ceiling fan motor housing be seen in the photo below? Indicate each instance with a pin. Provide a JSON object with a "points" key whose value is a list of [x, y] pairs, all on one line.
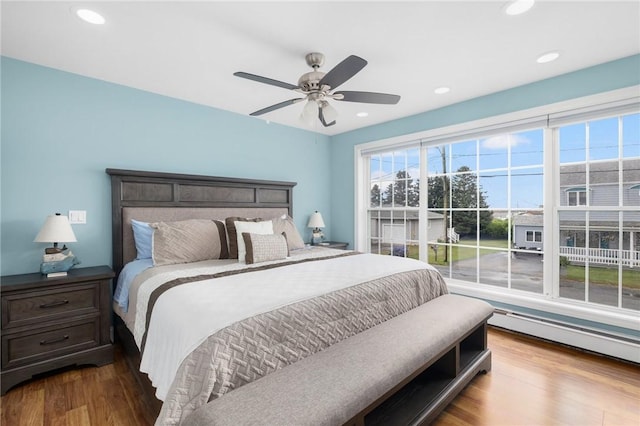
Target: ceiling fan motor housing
{"points": [[310, 82]]}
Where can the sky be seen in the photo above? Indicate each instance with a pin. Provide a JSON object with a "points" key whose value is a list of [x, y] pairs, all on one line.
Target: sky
{"points": [[522, 153]]}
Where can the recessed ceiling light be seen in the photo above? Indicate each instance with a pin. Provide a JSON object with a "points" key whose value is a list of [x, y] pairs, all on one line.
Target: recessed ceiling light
{"points": [[362, 114], [441, 90], [517, 7], [90, 16], [548, 57]]}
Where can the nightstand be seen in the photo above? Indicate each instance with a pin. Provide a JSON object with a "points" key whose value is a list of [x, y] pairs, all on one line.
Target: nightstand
{"points": [[334, 244], [48, 323]]}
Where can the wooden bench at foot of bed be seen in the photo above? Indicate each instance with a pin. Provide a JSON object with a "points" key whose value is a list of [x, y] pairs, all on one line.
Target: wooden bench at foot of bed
{"points": [[403, 371]]}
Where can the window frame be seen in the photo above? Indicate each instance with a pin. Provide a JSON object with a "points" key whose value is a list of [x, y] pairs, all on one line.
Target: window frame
{"points": [[549, 301]]}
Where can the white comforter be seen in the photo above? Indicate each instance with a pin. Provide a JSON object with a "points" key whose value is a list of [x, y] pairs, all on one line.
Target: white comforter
{"points": [[184, 316]]}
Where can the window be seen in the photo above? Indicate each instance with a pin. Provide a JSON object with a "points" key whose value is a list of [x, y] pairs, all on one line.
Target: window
{"points": [[487, 205], [393, 202], [596, 246], [577, 197], [534, 236], [482, 188]]}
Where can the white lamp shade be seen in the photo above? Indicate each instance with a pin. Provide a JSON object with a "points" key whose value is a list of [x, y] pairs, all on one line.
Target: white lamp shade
{"points": [[310, 112], [328, 112], [315, 221], [56, 229]]}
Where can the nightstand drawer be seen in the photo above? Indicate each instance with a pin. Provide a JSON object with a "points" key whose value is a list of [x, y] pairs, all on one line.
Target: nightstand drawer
{"points": [[34, 307], [28, 347]]}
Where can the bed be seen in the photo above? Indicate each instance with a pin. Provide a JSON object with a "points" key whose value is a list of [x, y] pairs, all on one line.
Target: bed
{"points": [[195, 329]]}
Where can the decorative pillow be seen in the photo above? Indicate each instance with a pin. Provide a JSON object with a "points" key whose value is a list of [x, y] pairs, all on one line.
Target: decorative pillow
{"points": [[265, 247], [142, 235], [233, 235], [285, 224], [265, 227], [188, 241]]}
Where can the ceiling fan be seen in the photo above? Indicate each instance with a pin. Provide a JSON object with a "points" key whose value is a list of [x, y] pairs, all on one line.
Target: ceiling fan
{"points": [[318, 87]]}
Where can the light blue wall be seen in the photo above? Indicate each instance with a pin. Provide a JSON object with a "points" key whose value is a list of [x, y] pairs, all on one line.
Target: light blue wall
{"points": [[601, 78], [60, 131]]}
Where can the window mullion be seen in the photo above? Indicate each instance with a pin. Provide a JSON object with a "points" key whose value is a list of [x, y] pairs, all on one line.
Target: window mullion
{"points": [[551, 226], [422, 206]]}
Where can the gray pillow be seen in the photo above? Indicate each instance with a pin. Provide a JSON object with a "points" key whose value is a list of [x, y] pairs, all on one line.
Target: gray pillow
{"points": [[285, 224], [265, 247], [187, 241]]}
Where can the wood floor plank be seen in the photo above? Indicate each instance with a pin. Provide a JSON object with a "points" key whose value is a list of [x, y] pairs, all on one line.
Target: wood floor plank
{"points": [[32, 413], [11, 404], [532, 382], [78, 416], [55, 406]]}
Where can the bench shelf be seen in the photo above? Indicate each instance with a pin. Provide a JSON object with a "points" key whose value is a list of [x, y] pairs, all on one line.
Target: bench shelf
{"points": [[420, 399]]}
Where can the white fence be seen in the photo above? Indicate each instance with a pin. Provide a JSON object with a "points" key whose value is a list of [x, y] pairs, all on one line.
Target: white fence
{"points": [[603, 256], [453, 236]]}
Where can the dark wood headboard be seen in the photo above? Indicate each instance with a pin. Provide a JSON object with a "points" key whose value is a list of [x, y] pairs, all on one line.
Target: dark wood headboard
{"points": [[142, 189]]}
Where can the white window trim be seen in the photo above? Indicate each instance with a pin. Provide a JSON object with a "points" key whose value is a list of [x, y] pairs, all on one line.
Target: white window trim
{"points": [[544, 302]]}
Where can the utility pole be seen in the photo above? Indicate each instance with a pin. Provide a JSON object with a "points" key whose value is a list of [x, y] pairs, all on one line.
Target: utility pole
{"points": [[445, 199]]}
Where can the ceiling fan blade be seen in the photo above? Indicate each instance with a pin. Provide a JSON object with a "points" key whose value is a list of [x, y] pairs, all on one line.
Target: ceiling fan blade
{"points": [[276, 106], [265, 80], [321, 117], [343, 71], [368, 97]]}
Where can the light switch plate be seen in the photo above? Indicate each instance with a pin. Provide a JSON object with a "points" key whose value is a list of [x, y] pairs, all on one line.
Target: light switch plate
{"points": [[77, 216]]}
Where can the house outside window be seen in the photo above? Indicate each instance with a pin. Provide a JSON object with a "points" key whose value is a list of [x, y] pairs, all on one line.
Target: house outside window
{"points": [[394, 201], [487, 210]]}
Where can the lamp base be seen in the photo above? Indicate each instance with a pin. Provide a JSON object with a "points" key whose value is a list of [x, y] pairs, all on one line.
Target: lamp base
{"points": [[60, 264], [316, 238]]}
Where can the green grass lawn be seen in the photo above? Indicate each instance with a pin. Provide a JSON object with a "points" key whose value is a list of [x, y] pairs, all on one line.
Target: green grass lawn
{"points": [[597, 275], [465, 249]]}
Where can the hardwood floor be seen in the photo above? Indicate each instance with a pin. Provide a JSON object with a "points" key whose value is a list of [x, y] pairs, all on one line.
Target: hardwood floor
{"points": [[531, 383], [539, 383]]}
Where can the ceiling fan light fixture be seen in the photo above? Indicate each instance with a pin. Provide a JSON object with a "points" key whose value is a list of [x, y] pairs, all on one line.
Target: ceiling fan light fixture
{"points": [[309, 112], [330, 114], [362, 114]]}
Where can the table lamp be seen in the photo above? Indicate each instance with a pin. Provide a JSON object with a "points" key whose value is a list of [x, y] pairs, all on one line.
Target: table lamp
{"points": [[316, 222], [55, 262], [56, 229]]}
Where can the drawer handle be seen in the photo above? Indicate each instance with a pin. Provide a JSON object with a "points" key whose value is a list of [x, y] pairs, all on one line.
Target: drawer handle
{"points": [[53, 304], [50, 342]]}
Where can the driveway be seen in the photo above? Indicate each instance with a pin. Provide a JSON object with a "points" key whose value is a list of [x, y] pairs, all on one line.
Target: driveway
{"points": [[526, 274]]}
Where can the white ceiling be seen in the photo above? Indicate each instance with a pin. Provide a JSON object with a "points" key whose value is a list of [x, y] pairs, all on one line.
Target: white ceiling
{"points": [[190, 50]]}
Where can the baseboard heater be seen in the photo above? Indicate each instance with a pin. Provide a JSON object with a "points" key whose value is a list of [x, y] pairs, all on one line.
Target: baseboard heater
{"points": [[600, 341]]}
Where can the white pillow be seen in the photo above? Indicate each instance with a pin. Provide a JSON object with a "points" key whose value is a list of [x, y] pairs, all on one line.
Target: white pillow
{"points": [[265, 227]]}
